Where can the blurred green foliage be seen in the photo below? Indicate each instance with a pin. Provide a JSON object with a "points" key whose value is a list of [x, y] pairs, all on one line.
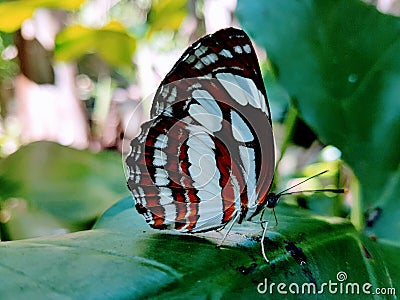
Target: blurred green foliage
{"points": [[63, 192], [14, 13], [47, 188], [112, 42], [338, 60], [167, 14], [8, 69]]}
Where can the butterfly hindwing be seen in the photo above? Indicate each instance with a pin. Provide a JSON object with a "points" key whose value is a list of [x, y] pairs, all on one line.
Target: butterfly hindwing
{"points": [[207, 152]]}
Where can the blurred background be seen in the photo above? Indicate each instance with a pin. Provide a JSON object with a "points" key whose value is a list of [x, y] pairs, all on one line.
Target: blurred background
{"points": [[72, 72], [71, 75]]}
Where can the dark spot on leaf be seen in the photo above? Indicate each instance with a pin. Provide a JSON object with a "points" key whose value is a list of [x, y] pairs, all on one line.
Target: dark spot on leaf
{"points": [[366, 253], [373, 237], [308, 274], [253, 258], [297, 253], [372, 216], [302, 202], [254, 238], [247, 270]]}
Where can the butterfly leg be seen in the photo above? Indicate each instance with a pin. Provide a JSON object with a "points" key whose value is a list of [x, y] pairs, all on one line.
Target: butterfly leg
{"points": [[229, 229], [262, 242], [276, 219], [267, 221], [265, 228]]}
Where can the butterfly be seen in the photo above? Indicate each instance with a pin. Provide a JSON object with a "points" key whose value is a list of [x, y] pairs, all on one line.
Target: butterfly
{"points": [[206, 157]]}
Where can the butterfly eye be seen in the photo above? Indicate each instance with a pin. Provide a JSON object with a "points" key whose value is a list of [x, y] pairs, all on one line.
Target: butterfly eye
{"points": [[272, 200]]}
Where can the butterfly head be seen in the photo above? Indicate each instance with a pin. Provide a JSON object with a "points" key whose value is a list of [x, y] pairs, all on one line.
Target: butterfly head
{"points": [[271, 201]]}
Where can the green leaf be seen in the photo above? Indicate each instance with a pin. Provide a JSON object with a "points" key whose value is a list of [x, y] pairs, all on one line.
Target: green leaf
{"points": [[14, 13], [112, 42], [96, 265], [277, 96], [58, 185], [166, 15], [123, 258], [8, 70], [339, 61]]}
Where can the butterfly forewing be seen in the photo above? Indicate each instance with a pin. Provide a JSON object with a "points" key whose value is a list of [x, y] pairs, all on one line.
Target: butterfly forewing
{"points": [[207, 153]]}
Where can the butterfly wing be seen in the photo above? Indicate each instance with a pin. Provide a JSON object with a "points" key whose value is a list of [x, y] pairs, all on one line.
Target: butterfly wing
{"points": [[207, 152]]}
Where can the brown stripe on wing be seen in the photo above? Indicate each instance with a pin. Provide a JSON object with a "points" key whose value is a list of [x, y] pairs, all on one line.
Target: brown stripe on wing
{"points": [[229, 60], [225, 164], [261, 128], [147, 195], [187, 183], [225, 39], [177, 167], [229, 158]]}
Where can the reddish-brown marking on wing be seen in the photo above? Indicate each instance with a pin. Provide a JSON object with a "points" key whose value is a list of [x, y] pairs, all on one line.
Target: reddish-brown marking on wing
{"points": [[226, 49]]}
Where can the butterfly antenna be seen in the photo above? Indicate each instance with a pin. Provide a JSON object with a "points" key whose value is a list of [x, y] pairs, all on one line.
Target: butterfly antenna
{"points": [[288, 189], [336, 191]]}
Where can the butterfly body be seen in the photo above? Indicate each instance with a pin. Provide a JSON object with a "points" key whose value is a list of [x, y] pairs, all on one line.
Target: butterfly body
{"points": [[207, 153]]}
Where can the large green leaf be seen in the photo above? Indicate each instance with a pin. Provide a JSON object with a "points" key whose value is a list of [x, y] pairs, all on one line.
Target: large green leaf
{"points": [[112, 42], [48, 185], [166, 15], [122, 258], [14, 13], [339, 61]]}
